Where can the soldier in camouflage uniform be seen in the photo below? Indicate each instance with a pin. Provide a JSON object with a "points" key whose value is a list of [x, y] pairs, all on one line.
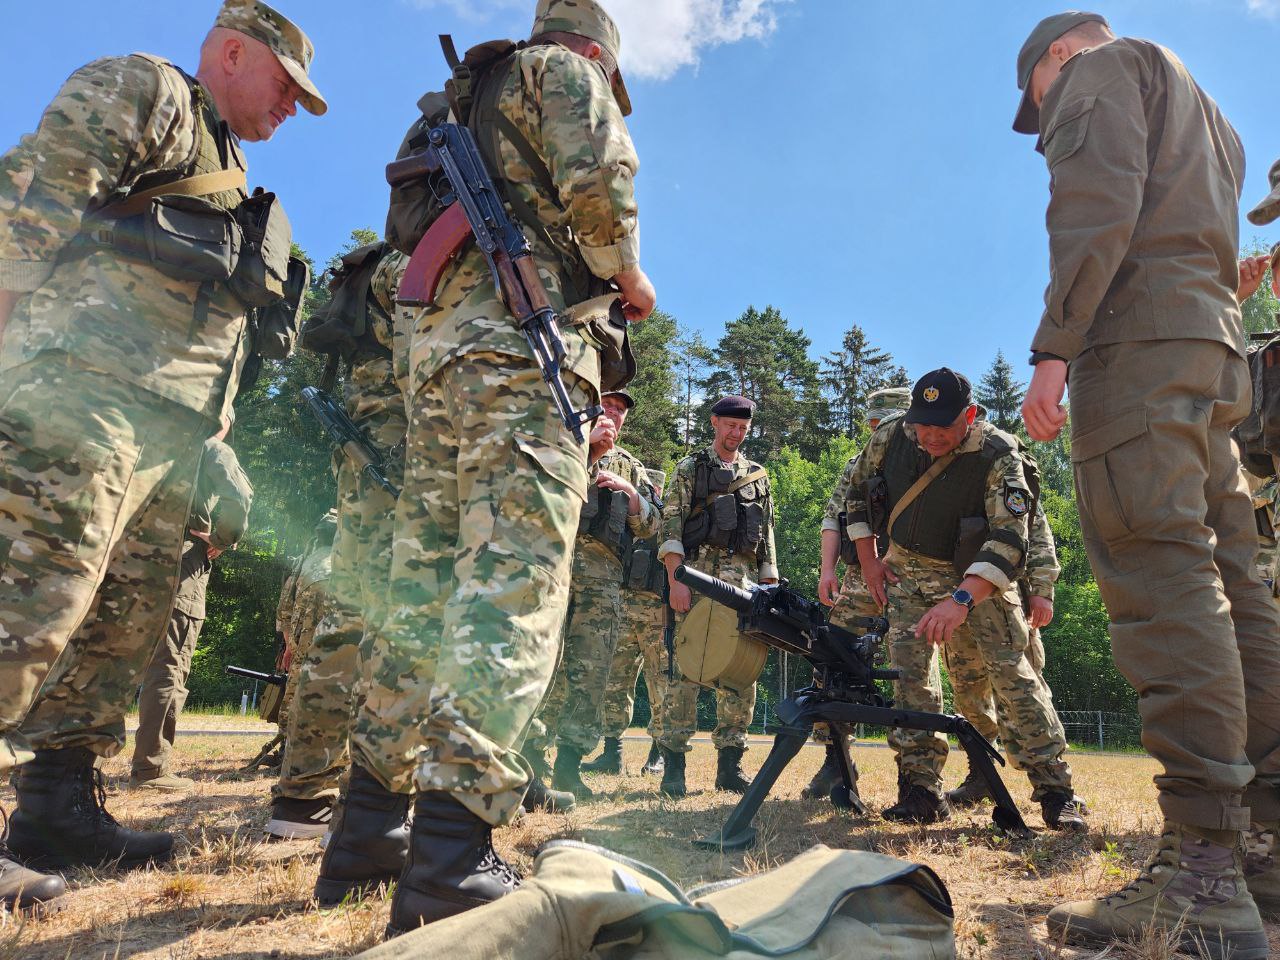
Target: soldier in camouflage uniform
{"points": [[848, 598], [640, 648], [968, 512], [1264, 498], [114, 375], [745, 556], [219, 517], [494, 481]]}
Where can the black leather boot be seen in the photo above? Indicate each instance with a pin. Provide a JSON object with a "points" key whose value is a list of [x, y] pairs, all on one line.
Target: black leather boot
{"points": [[673, 774], [729, 774], [369, 844], [62, 819], [452, 865], [610, 759], [538, 796], [26, 891], [972, 791], [828, 776], [917, 804], [653, 763], [567, 775]]}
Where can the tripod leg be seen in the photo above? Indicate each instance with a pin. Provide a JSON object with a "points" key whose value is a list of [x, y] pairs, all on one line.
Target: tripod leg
{"points": [[1005, 815], [845, 796], [737, 832]]}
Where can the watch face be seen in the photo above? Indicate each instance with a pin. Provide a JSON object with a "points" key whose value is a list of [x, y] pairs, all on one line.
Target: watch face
{"points": [[963, 596]]}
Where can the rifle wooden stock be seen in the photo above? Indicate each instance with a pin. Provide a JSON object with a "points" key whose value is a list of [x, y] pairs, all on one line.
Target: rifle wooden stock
{"points": [[432, 256]]}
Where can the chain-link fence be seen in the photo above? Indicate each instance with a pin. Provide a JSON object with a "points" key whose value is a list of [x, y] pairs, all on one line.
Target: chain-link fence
{"points": [[1101, 729]]}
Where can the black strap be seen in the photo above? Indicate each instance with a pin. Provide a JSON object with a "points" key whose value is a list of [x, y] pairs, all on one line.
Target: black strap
{"points": [[997, 561], [1008, 538]]}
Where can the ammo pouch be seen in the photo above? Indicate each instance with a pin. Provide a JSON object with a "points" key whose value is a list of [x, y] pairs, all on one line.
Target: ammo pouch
{"points": [[277, 323], [604, 516], [848, 550], [694, 533], [262, 272], [970, 537], [185, 238], [723, 512], [750, 528], [644, 571], [602, 324]]}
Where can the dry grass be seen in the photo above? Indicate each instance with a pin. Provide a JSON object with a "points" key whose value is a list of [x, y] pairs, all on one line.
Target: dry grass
{"points": [[228, 896]]}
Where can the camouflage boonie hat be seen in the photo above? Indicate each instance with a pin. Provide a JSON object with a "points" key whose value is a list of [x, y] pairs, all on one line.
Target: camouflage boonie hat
{"points": [[1269, 208], [886, 402], [586, 19], [290, 45]]}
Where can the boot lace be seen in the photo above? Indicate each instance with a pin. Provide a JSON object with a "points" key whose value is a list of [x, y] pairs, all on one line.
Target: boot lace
{"points": [[492, 863], [89, 795], [1164, 858]]}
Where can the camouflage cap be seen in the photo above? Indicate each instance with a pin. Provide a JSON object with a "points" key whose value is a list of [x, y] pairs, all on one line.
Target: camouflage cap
{"points": [[587, 19], [886, 402], [1269, 208], [290, 45]]}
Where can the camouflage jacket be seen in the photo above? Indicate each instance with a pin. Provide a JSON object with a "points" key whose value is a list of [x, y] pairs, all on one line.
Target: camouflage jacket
{"points": [[1042, 557], [1004, 475], [597, 560], [371, 392], [563, 105], [312, 599], [679, 502], [112, 122]]}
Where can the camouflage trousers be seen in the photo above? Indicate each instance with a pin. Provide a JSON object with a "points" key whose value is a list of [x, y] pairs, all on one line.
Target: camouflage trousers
{"points": [[96, 480], [976, 702], [992, 645], [854, 601], [479, 581], [680, 703], [571, 711], [639, 647]]}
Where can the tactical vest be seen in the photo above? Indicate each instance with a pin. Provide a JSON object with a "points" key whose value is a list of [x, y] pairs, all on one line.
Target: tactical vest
{"points": [[642, 570], [604, 516], [723, 519], [931, 524]]}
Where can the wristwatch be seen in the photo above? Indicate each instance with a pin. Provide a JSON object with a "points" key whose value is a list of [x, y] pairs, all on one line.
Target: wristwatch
{"points": [[964, 598]]}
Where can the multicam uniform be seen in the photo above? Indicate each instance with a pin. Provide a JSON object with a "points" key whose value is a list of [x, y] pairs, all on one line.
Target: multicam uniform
{"points": [[493, 480], [986, 478], [1264, 501], [573, 705], [743, 569], [114, 374], [640, 647], [310, 603]]}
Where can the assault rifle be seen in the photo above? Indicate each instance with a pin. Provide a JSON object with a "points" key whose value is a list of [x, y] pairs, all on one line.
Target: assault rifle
{"points": [[453, 165], [349, 438], [275, 679], [844, 694]]}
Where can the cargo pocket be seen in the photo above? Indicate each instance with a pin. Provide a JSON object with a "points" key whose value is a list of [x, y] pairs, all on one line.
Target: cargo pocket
{"points": [[1115, 449], [1070, 127]]}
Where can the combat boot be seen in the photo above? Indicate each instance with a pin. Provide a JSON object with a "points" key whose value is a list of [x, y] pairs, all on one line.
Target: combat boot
{"points": [[610, 759], [62, 819], [729, 774], [1190, 884], [972, 791], [917, 804], [452, 865], [165, 783], [826, 778], [653, 763], [1063, 810], [673, 774], [369, 842], [1261, 868], [538, 797], [23, 890], [566, 775]]}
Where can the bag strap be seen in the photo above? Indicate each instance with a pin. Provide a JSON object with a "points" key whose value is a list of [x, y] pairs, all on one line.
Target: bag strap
{"points": [[917, 488], [202, 184]]}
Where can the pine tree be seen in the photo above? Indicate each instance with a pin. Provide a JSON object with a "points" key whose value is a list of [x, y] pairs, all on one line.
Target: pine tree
{"points": [[651, 429], [851, 373], [1001, 394]]}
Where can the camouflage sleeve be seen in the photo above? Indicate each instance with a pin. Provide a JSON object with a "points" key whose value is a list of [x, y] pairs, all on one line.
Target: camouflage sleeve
{"points": [[835, 505], [284, 609], [863, 469], [1042, 557], [676, 506], [592, 161], [110, 121], [1001, 559], [644, 524], [221, 473], [767, 558]]}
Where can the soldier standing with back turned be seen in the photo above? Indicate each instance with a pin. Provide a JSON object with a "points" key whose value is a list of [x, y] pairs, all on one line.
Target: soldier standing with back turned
{"points": [[1141, 304], [115, 373]]}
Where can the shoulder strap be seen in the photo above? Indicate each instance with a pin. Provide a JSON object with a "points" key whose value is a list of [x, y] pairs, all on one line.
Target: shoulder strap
{"points": [[198, 186], [917, 488]]}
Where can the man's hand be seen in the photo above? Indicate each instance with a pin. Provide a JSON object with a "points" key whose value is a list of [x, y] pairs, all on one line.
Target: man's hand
{"points": [[611, 481], [940, 621], [876, 574], [1042, 409], [211, 551], [638, 295], [828, 588], [680, 596], [1252, 270], [603, 436], [1041, 612]]}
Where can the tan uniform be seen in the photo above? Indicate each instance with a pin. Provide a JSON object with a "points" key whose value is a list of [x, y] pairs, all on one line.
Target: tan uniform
{"points": [[1143, 238]]}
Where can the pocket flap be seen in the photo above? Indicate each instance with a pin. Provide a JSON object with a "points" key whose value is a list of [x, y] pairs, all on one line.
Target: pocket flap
{"points": [[560, 463], [1068, 131], [1109, 435], [193, 219]]}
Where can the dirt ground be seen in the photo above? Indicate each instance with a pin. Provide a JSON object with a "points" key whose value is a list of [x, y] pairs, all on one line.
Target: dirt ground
{"points": [[227, 895]]}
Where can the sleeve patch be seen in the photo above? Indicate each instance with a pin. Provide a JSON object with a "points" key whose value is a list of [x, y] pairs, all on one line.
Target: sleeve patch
{"points": [[1017, 501]]}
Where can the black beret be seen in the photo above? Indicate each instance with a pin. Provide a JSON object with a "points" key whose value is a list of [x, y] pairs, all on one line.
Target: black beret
{"points": [[740, 407]]}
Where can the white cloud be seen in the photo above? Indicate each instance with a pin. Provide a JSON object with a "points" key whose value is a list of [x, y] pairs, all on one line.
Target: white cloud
{"points": [[1264, 8], [659, 37]]}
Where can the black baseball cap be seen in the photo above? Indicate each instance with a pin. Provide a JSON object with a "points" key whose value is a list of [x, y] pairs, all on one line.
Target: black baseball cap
{"points": [[622, 395], [939, 397], [1027, 119]]}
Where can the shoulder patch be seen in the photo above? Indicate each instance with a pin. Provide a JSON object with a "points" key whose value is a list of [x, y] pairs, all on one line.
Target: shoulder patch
{"points": [[1017, 500]]}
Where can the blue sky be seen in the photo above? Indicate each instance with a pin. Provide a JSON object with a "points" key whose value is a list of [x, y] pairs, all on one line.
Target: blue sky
{"points": [[844, 160]]}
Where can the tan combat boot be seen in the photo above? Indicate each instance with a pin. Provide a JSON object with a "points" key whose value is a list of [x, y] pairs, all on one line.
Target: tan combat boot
{"points": [[1261, 868], [1191, 884]]}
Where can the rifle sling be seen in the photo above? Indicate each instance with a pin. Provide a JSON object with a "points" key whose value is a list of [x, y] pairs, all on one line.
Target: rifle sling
{"points": [[759, 473], [917, 488]]}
